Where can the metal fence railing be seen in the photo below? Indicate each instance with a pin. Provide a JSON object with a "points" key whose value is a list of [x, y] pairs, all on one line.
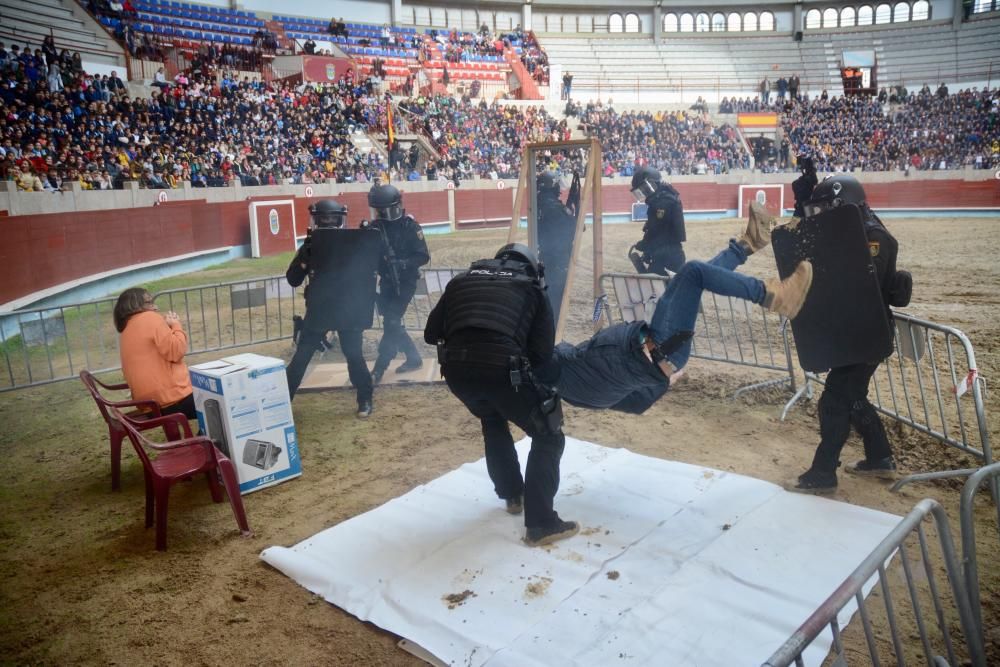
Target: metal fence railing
{"points": [[934, 605], [729, 330], [987, 475], [44, 345]]}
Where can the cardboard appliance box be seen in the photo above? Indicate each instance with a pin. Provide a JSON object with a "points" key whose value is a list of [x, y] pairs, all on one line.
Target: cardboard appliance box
{"points": [[243, 405]]}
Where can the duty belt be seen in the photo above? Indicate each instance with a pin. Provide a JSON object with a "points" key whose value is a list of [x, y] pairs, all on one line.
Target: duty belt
{"points": [[473, 356]]}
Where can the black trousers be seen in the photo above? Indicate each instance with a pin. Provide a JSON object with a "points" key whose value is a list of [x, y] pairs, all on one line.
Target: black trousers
{"points": [[350, 344], [669, 256], [392, 307], [844, 404], [185, 406], [491, 398]]}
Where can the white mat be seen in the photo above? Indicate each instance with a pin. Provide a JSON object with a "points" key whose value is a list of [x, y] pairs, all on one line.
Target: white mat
{"points": [[675, 565]]}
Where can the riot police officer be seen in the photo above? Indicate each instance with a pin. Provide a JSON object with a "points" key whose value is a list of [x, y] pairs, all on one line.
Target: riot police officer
{"points": [[494, 329], [556, 232], [331, 307], [663, 232], [844, 403], [405, 252], [803, 186]]}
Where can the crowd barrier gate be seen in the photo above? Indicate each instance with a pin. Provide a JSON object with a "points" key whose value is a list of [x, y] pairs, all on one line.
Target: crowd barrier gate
{"points": [[934, 640]]}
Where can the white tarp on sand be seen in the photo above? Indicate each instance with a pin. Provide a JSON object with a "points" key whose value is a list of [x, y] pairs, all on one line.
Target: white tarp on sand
{"points": [[675, 564]]}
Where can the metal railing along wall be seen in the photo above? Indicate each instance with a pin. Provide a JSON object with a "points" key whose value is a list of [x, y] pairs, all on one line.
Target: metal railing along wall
{"points": [[729, 330], [926, 598], [44, 345]]}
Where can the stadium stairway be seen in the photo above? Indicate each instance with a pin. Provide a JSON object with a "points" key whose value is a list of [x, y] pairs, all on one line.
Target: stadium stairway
{"points": [[29, 23]]}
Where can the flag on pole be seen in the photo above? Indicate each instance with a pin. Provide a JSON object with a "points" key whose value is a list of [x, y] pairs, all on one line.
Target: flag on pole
{"points": [[390, 131]]}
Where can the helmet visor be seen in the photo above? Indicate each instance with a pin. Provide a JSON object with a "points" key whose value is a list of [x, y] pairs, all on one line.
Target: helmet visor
{"points": [[394, 212], [328, 219], [643, 190]]}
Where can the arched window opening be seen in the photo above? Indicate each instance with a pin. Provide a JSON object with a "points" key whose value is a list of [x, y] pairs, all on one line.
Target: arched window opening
{"points": [[866, 15], [670, 23], [921, 10], [883, 14], [830, 18], [767, 21], [632, 23], [687, 23], [750, 22], [616, 23], [847, 17], [718, 22], [701, 23], [813, 18], [901, 13], [733, 23]]}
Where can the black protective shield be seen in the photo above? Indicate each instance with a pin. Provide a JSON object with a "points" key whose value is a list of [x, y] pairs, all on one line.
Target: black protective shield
{"points": [[843, 320], [343, 265]]}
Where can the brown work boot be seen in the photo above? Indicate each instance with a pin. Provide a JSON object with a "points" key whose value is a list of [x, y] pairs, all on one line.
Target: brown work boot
{"points": [[757, 234], [786, 297]]}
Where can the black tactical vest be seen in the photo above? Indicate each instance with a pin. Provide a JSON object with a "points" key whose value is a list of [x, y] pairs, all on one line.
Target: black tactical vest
{"points": [[496, 295]]}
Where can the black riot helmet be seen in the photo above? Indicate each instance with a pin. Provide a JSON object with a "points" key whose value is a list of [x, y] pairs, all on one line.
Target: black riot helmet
{"points": [[645, 182], [328, 213], [519, 252], [806, 164], [386, 202], [834, 191], [547, 183]]}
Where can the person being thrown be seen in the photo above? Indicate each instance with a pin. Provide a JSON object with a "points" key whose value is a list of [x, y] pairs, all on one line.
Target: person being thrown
{"points": [[629, 366]]}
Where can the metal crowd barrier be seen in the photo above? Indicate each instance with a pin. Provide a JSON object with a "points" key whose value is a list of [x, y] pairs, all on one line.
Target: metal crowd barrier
{"points": [[988, 474], [46, 345], [936, 640], [729, 330]]}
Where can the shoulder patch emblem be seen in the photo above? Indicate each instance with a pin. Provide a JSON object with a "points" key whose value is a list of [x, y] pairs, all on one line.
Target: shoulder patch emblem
{"points": [[873, 247], [661, 212], [420, 234]]}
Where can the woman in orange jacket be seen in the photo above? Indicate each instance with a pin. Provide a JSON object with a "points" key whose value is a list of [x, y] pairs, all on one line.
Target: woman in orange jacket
{"points": [[152, 348]]}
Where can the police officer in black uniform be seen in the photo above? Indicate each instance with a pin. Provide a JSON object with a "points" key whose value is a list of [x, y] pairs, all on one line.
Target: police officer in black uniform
{"points": [[399, 270], [494, 329], [663, 232], [556, 231], [844, 403], [803, 186], [321, 318]]}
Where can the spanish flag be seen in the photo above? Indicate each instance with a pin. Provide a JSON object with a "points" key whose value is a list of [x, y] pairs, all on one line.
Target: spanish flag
{"points": [[388, 121]]}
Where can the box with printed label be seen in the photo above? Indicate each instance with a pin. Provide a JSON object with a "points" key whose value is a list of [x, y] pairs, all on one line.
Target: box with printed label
{"points": [[243, 406]]}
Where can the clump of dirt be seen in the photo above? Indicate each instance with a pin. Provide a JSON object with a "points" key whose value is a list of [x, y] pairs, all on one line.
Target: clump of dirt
{"points": [[613, 575], [537, 588], [457, 599]]}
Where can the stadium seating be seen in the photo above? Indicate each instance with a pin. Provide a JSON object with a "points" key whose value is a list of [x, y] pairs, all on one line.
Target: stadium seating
{"points": [[23, 24], [735, 65]]}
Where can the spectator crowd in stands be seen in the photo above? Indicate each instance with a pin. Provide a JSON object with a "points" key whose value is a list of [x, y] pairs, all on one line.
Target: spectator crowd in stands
{"points": [[673, 142], [928, 131], [60, 125]]}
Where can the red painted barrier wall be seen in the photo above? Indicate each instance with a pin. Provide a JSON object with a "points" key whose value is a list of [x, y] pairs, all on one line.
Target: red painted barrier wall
{"points": [[40, 251]]}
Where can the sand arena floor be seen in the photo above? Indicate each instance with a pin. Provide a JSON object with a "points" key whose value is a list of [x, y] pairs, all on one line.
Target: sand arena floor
{"points": [[82, 583]]}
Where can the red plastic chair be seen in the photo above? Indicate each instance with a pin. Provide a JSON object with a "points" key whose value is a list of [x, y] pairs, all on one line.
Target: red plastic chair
{"points": [[179, 460], [144, 410]]}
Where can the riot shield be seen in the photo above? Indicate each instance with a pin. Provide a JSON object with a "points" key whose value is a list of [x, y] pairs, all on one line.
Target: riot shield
{"points": [[342, 276], [843, 320], [556, 234]]}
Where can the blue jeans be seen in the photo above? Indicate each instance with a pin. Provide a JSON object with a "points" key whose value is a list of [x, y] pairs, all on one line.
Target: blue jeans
{"points": [[677, 309]]}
